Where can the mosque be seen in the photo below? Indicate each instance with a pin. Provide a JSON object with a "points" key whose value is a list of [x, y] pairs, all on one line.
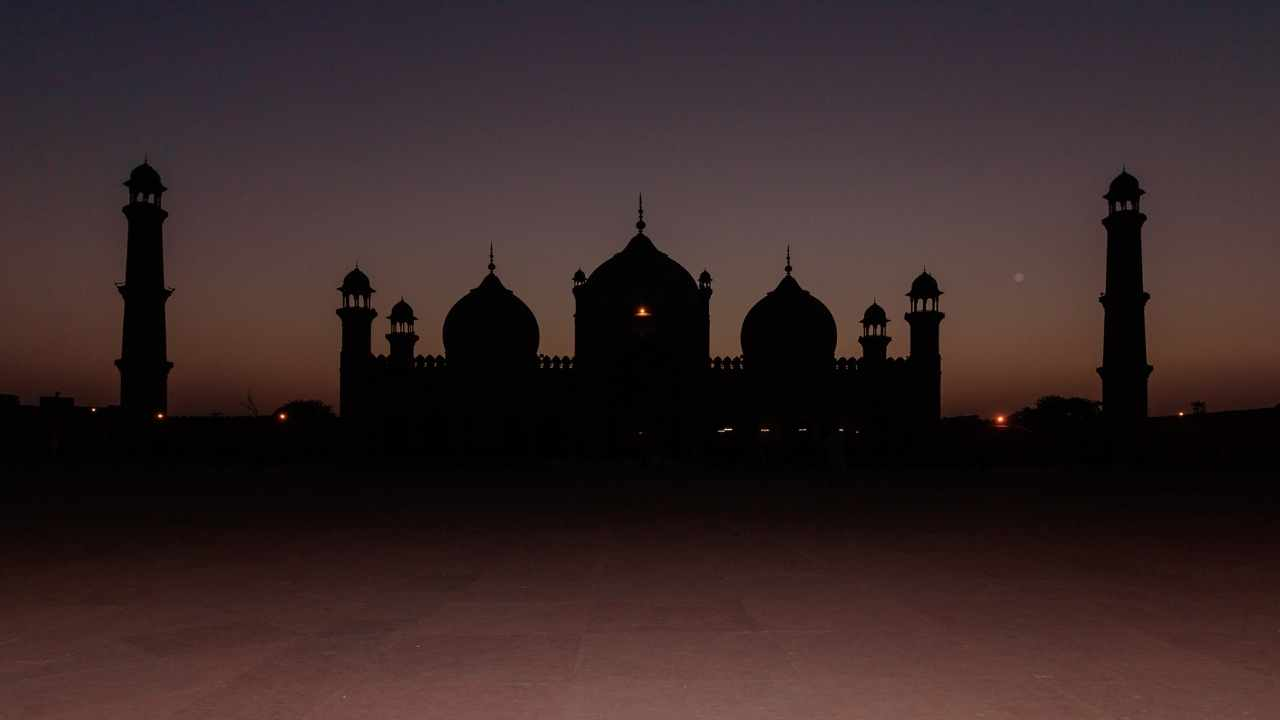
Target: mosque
{"points": [[642, 375]]}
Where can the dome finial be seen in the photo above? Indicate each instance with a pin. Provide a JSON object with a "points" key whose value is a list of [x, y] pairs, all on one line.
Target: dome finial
{"points": [[788, 266], [640, 213], [492, 267]]}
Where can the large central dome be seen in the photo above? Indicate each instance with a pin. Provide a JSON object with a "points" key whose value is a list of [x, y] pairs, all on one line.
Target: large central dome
{"points": [[641, 310], [643, 269]]}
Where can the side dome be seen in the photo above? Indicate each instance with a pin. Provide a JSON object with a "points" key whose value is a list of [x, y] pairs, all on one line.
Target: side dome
{"points": [[875, 315], [924, 286], [490, 326], [356, 283], [789, 330]]}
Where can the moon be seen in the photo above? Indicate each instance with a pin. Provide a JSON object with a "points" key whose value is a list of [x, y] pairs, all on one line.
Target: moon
{"points": [[1019, 277]]}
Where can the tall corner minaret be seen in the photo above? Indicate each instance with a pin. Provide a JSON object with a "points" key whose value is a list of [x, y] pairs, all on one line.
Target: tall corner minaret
{"points": [[144, 363], [926, 355], [357, 315], [1124, 368]]}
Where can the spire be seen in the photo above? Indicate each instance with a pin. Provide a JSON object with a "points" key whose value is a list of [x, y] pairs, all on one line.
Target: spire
{"points": [[492, 267], [640, 213], [788, 267]]}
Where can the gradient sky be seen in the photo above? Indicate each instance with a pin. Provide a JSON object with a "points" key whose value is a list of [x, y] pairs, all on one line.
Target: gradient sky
{"points": [[298, 138]]}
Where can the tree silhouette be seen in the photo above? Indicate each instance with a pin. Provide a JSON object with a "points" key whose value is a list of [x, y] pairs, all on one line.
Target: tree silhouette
{"points": [[304, 411], [1054, 413]]}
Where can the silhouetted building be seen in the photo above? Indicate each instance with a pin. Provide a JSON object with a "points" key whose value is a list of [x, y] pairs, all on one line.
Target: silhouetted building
{"points": [[357, 315], [926, 357], [642, 376], [144, 364], [1124, 368]]}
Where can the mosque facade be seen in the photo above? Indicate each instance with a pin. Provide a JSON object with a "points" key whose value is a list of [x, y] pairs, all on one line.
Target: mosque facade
{"points": [[642, 375]]}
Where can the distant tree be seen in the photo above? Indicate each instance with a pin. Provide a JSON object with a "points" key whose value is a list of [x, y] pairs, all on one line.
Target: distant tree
{"points": [[1199, 407], [250, 406], [1053, 413], [305, 411]]}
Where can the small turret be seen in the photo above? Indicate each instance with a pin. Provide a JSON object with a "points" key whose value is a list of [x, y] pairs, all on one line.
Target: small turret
{"points": [[402, 337], [875, 338]]}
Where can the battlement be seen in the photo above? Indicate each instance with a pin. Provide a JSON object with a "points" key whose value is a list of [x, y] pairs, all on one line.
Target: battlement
{"points": [[727, 363], [841, 364], [430, 362], [555, 362]]}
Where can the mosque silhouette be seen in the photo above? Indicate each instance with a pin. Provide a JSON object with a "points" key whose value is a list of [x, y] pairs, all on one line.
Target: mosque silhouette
{"points": [[642, 376]]}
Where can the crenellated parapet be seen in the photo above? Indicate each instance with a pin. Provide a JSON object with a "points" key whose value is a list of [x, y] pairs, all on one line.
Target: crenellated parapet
{"points": [[555, 362], [430, 362], [441, 362], [726, 363]]}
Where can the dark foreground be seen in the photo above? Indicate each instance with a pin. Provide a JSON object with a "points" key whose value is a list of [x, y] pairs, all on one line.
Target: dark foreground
{"points": [[610, 597]]}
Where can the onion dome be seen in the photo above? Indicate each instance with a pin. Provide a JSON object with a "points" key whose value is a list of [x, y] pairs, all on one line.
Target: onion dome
{"points": [[924, 286], [875, 315], [356, 283], [789, 329], [490, 326], [1124, 188], [401, 312], [641, 270], [145, 180]]}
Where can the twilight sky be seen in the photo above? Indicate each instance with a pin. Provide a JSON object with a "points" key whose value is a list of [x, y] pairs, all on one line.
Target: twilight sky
{"points": [[298, 138]]}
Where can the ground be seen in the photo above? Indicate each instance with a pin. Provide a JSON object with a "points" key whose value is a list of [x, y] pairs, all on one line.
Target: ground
{"points": [[848, 607]]}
